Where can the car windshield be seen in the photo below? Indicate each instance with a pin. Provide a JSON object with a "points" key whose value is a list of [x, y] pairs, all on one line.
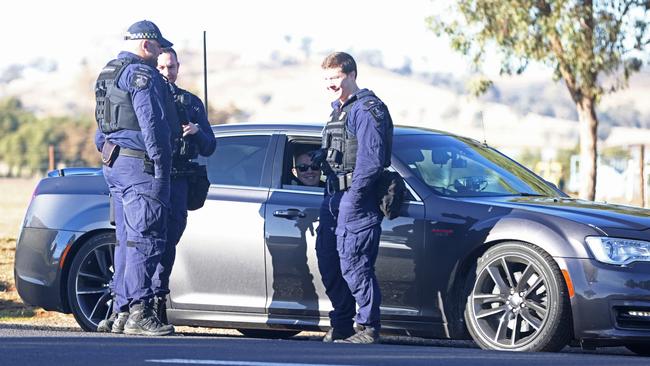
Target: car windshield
{"points": [[459, 167]]}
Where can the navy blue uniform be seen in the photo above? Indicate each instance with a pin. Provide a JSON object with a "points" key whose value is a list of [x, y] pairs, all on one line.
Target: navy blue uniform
{"points": [[350, 221], [205, 141], [141, 200]]}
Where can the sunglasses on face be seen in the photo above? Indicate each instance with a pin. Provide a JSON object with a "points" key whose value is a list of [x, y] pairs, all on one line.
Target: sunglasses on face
{"points": [[304, 167]]}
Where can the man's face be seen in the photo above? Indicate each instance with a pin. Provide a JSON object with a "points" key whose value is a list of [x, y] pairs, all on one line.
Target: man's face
{"points": [[307, 173], [168, 66], [339, 84], [152, 50]]}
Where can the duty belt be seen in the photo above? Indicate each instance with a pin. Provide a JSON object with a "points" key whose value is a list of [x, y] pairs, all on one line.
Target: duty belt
{"points": [[132, 153], [148, 166]]}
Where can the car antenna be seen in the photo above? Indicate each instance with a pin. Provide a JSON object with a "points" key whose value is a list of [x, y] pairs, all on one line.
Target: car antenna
{"points": [[205, 75], [484, 133]]}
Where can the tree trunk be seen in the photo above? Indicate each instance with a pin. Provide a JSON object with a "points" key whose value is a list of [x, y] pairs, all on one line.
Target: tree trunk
{"points": [[588, 149]]}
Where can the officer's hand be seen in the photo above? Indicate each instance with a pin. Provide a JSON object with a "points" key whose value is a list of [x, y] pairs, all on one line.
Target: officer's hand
{"points": [[190, 129], [318, 156]]}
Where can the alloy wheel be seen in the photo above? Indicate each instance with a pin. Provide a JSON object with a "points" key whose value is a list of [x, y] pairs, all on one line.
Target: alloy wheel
{"points": [[92, 279], [510, 301]]}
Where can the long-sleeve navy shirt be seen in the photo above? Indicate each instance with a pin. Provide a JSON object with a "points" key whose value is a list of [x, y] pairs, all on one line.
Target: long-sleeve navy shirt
{"points": [[154, 110], [372, 126]]}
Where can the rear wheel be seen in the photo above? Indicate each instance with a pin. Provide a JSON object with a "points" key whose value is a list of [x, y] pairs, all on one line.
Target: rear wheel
{"points": [[90, 273], [519, 301], [639, 349], [268, 333]]}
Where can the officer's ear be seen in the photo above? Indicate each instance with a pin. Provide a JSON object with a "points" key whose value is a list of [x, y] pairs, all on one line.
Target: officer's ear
{"points": [[353, 75]]}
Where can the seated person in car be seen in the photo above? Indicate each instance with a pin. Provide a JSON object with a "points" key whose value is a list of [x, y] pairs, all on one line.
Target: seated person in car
{"points": [[305, 172]]}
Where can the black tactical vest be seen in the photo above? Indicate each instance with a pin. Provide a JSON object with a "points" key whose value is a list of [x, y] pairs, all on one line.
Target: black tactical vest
{"points": [[184, 149], [114, 109], [341, 146]]}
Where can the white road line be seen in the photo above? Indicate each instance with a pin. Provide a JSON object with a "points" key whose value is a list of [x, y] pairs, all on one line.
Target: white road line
{"points": [[186, 361]]}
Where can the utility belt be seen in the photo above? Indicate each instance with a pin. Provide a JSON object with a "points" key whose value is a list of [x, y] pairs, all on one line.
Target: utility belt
{"points": [[339, 182], [186, 169], [110, 152]]}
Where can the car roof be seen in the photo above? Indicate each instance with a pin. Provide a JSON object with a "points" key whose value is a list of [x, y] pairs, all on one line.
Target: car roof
{"points": [[310, 127]]}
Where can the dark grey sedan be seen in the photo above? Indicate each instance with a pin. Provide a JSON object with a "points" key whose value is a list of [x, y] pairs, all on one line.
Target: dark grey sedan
{"points": [[483, 248]]}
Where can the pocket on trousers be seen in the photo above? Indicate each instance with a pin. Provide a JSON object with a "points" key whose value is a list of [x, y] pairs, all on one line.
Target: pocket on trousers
{"points": [[348, 245], [144, 214]]}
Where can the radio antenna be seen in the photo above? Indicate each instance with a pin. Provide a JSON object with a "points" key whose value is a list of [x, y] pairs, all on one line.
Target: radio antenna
{"points": [[205, 75], [484, 133]]}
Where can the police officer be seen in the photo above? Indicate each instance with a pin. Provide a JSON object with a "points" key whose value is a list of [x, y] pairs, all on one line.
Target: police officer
{"points": [[197, 139], [357, 147], [136, 119]]}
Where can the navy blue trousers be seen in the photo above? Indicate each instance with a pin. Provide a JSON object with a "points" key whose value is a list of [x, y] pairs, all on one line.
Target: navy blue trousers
{"points": [[346, 264], [141, 211], [176, 223]]}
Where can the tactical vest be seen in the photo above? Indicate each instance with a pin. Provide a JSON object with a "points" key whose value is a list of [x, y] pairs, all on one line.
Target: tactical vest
{"points": [[114, 109], [340, 145], [184, 149]]}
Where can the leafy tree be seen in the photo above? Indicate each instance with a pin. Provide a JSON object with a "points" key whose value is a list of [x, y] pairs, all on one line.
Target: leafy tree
{"points": [[593, 46]]}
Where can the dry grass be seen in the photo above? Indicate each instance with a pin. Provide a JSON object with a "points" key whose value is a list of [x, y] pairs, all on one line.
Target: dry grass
{"points": [[15, 194]]}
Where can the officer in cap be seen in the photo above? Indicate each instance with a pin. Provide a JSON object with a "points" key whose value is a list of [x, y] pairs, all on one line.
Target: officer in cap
{"points": [[197, 138], [136, 123], [356, 148]]}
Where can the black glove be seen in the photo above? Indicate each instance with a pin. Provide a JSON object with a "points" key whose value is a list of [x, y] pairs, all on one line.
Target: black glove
{"points": [[318, 156]]}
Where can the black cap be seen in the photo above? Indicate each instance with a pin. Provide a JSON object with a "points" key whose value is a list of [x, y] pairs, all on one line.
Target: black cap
{"points": [[145, 29]]}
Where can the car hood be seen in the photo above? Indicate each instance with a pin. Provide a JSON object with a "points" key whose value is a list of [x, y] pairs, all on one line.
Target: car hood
{"points": [[601, 215]]}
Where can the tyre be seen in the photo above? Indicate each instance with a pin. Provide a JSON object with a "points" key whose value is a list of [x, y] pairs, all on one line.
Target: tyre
{"points": [[518, 301], [90, 273], [268, 333], [639, 349]]}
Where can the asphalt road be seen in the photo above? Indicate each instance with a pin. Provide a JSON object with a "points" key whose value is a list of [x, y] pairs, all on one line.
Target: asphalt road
{"points": [[20, 345]]}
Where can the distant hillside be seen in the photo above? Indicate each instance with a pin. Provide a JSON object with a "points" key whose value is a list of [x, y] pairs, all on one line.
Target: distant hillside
{"points": [[290, 89]]}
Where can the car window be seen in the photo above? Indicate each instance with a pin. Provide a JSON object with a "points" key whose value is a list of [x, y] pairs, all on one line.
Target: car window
{"points": [[238, 160], [459, 167], [294, 159]]}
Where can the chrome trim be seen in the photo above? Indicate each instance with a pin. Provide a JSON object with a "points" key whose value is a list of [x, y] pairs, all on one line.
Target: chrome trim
{"points": [[248, 188], [284, 190]]}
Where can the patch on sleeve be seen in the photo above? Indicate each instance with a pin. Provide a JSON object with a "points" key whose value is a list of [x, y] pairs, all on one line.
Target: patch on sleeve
{"points": [[376, 108], [140, 80]]}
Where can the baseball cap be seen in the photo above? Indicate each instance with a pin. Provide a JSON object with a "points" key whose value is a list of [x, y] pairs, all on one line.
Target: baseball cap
{"points": [[145, 29]]}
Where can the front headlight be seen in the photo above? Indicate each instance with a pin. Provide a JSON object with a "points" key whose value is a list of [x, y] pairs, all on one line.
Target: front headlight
{"points": [[618, 251]]}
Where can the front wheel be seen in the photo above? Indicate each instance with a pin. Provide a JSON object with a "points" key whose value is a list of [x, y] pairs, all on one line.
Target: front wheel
{"points": [[90, 273], [519, 301]]}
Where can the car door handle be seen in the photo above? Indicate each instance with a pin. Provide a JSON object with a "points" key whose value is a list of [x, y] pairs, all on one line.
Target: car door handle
{"points": [[291, 213]]}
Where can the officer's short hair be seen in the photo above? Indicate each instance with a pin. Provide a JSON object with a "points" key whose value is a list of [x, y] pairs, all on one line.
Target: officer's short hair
{"points": [[170, 50], [342, 60]]}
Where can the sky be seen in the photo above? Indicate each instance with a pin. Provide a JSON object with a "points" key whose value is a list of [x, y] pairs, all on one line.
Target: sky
{"points": [[68, 31]]}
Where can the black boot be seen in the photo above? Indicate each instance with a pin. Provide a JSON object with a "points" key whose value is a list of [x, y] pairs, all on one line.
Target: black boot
{"points": [[143, 321], [335, 334], [366, 335], [160, 308]]}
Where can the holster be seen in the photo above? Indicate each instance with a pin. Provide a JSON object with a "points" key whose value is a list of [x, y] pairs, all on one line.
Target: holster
{"points": [[110, 151]]}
